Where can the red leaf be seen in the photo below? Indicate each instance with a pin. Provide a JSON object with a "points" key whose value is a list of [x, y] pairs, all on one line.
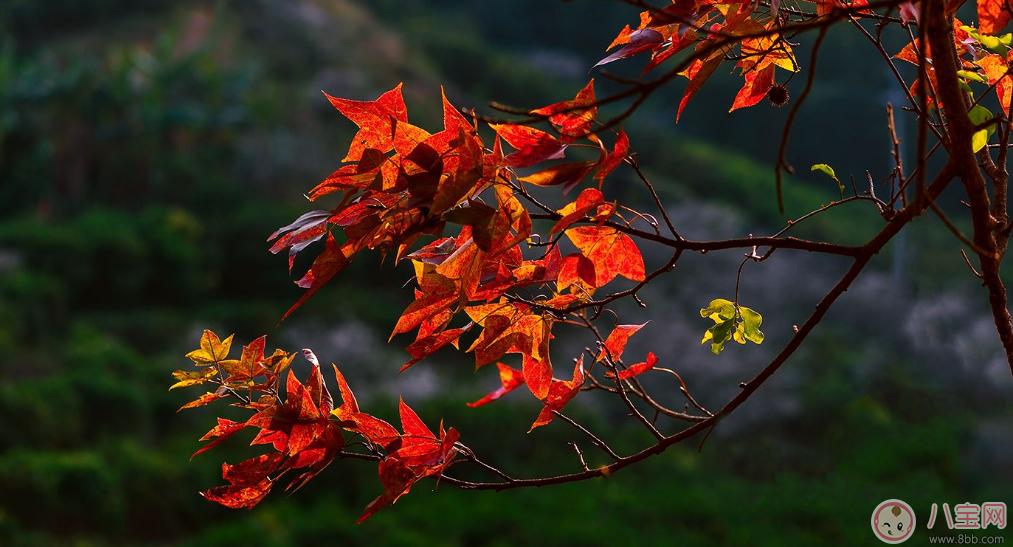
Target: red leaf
{"points": [[325, 266], [698, 72], [420, 309], [538, 375], [453, 120], [559, 394], [375, 120], [616, 342], [411, 424], [620, 150], [996, 72], [425, 346], [239, 497], [576, 270], [372, 429], [533, 145], [758, 83], [589, 198], [572, 118], [218, 434], [639, 368], [509, 378]]}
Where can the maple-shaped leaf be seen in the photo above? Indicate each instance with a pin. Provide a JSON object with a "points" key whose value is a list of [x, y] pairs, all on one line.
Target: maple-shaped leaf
{"points": [[572, 118], [508, 328], [755, 88], [616, 342], [560, 393], [769, 49], [211, 350], [637, 369], [993, 15], [375, 119], [509, 378], [249, 364], [421, 454], [249, 482], [532, 145], [413, 426], [612, 252]]}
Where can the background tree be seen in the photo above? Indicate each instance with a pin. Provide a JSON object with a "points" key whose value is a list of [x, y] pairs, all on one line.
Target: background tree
{"points": [[515, 268]]}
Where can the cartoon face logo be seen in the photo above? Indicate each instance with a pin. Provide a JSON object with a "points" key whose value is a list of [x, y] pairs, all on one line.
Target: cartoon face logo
{"points": [[893, 521]]}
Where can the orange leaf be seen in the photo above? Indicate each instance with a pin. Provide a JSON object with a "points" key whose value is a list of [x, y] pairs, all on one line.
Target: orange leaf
{"points": [[612, 252], [993, 16], [568, 174], [996, 72]]}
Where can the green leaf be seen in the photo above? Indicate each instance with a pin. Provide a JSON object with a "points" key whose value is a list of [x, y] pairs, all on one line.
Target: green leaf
{"points": [[996, 44], [979, 140], [973, 76], [980, 115], [828, 171], [731, 322]]}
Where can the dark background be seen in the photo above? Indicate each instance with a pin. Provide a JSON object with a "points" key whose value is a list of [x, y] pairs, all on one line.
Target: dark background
{"points": [[148, 148]]}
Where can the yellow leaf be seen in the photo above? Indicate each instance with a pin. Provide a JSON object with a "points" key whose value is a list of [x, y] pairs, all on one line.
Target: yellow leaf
{"points": [[211, 350], [188, 378]]}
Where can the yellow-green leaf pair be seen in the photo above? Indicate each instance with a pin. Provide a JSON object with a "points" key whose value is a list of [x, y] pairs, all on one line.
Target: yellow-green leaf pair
{"points": [[731, 322]]}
